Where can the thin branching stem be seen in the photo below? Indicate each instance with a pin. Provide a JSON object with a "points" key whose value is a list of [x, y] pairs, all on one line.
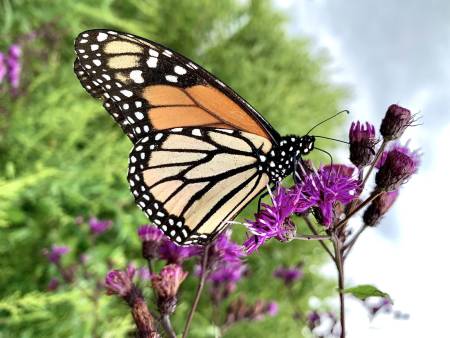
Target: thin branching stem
{"points": [[198, 292], [322, 243], [357, 208], [349, 245], [338, 251], [167, 326], [311, 237], [374, 162]]}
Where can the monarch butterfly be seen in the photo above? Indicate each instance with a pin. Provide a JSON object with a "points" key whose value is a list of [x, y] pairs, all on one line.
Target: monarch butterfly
{"points": [[200, 152]]}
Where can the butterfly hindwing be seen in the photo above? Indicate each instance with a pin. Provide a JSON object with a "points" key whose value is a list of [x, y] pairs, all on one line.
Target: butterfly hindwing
{"points": [[191, 181], [155, 88]]}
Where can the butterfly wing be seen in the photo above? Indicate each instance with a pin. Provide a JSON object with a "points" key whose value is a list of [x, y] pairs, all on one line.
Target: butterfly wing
{"points": [[197, 144], [147, 87], [191, 181]]}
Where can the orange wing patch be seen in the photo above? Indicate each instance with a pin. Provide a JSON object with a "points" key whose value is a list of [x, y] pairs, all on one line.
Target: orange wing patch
{"points": [[199, 105]]}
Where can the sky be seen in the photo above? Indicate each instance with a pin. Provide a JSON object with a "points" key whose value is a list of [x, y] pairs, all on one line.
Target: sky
{"points": [[395, 52]]}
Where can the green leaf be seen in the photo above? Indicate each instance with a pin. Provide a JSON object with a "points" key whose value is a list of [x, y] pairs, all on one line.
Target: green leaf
{"points": [[365, 291]]}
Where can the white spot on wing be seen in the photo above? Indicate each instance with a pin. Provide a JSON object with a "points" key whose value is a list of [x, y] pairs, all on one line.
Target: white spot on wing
{"points": [[152, 62], [179, 70], [136, 76], [102, 37], [171, 78]]}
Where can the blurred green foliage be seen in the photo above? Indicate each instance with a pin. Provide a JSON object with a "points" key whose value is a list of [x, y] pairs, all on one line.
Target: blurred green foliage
{"points": [[61, 156]]}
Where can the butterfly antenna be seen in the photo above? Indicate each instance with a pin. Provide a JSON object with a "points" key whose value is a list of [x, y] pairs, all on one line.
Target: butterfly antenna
{"points": [[326, 152], [332, 139], [331, 117]]}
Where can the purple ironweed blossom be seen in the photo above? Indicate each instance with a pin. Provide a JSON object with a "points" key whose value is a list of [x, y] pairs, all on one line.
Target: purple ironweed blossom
{"points": [[99, 226], [313, 319], [224, 251], [13, 65], [288, 275], [2, 67], [394, 123], [227, 273], [362, 143], [151, 238], [327, 186], [272, 309], [55, 253], [380, 304], [379, 207], [396, 170], [414, 154], [175, 254], [53, 284], [273, 221], [120, 282], [166, 285], [144, 274]]}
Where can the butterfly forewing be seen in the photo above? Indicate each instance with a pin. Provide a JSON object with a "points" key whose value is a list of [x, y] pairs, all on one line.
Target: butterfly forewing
{"points": [[191, 181], [156, 88]]}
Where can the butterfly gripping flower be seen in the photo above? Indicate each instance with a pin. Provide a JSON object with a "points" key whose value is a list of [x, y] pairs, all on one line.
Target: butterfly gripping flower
{"points": [[327, 186], [273, 221]]}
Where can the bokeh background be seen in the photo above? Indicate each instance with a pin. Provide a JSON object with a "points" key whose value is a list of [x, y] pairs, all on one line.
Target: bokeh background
{"points": [[62, 159]]}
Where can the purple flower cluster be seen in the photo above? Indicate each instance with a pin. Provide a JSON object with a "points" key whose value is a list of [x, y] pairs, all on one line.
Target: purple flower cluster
{"points": [[99, 226], [319, 190], [55, 253], [10, 66], [289, 275]]}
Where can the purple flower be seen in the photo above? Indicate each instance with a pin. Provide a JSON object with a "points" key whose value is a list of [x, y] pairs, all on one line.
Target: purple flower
{"points": [[99, 226], [382, 304], [330, 184], [55, 253], [272, 309], [176, 254], [120, 282], [166, 285], [227, 273], [362, 141], [151, 238], [53, 284], [288, 275], [379, 207], [394, 123], [273, 221], [2, 67], [150, 233], [223, 250], [413, 154], [397, 168], [313, 320], [144, 274], [13, 65]]}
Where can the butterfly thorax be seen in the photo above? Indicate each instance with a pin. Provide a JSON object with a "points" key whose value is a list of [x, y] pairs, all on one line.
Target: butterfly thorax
{"points": [[281, 159]]}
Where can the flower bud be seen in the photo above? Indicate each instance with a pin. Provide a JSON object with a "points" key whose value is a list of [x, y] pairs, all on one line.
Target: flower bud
{"points": [[151, 238], [120, 282], [379, 207], [166, 285], [396, 170], [394, 123], [55, 253], [98, 226], [362, 142]]}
